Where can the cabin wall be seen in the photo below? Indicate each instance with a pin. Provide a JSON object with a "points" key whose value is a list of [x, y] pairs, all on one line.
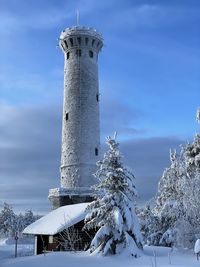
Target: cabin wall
{"points": [[80, 240]]}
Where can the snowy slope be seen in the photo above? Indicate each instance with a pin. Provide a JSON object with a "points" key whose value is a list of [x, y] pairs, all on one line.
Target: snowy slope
{"points": [[67, 259]]}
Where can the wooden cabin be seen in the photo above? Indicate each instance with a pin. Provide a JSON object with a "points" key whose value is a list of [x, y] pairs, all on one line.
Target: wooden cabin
{"points": [[61, 229]]}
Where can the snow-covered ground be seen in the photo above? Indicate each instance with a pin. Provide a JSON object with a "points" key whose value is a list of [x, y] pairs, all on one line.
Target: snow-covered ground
{"points": [[152, 257], [7, 248]]}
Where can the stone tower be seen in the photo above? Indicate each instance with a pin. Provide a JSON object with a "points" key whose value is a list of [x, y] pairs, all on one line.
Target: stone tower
{"points": [[80, 122]]}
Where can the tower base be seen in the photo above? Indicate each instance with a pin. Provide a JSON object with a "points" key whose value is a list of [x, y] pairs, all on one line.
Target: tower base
{"points": [[62, 197]]}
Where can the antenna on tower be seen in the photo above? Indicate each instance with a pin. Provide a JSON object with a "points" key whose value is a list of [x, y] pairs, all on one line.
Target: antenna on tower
{"points": [[77, 17], [198, 115]]}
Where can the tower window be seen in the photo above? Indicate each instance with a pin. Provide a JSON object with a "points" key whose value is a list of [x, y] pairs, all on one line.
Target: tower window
{"points": [[97, 97], [66, 43], [79, 40], [96, 152], [62, 46], [98, 44], [68, 54], [67, 116], [91, 54], [71, 41], [78, 52], [93, 41], [86, 40]]}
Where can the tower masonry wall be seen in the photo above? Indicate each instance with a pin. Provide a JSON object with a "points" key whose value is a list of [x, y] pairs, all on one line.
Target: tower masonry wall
{"points": [[80, 125]]}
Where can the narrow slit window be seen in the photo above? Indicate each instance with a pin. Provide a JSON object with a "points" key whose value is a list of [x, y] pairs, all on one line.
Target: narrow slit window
{"points": [[86, 40], [97, 97], [63, 47], [71, 41], [67, 116], [79, 40], [68, 55], [96, 152], [66, 43], [78, 52], [91, 54]]}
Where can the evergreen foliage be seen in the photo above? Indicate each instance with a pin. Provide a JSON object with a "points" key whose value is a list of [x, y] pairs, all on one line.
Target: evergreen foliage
{"points": [[177, 203], [113, 211], [10, 223]]}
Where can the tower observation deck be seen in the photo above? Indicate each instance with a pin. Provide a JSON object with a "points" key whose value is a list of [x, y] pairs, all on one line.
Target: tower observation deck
{"points": [[80, 121]]}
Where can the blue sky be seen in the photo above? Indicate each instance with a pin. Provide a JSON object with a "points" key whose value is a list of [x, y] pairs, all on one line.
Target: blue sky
{"points": [[149, 83]]}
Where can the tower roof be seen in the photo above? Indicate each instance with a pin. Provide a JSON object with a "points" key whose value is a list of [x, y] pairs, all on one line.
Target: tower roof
{"points": [[80, 30]]}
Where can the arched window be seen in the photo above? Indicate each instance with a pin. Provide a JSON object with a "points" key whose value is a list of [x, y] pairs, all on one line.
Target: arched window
{"points": [[96, 152], [67, 116], [68, 54], [91, 54]]}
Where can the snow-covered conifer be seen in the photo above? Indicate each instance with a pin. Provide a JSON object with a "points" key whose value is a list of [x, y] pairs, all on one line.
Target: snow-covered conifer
{"points": [[177, 203], [113, 211], [150, 225], [7, 220], [28, 218]]}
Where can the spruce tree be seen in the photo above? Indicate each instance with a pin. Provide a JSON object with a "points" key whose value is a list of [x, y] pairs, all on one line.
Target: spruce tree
{"points": [[177, 203], [112, 213]]}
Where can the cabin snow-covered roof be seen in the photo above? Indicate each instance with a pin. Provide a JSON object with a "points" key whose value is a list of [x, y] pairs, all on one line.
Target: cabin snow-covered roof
{"points": [[57, 220]]}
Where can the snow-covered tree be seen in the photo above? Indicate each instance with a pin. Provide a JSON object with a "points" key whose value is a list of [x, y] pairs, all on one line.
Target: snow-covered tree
{"points": [[11, 222], [7, 220], [177, 203], [29, 218], [113, 211], [20, 224], [150, 225]]}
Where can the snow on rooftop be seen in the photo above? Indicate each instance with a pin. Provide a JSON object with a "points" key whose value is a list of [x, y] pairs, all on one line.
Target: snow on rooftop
{"points": [[57, 220]]}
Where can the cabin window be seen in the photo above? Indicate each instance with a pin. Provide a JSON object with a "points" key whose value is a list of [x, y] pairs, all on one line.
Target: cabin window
{"points": [[68, 54], [78, 52], [67, 116], [91, 54], [96, 152], [97, 97], [71, 41], [50, 239]]}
